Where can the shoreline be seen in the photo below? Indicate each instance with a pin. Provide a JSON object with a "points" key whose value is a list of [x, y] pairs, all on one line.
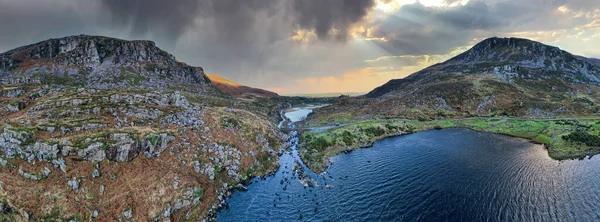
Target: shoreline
{"points": [[552, 146]]}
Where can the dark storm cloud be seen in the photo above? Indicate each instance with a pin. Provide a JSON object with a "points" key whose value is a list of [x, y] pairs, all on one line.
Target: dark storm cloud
{"points": [[166, 18], [325, 17], [234, 37], [234, 18], [24, 21]]}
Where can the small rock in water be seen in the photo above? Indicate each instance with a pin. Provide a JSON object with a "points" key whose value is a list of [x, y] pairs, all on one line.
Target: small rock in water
{"points": [[241, 187]]}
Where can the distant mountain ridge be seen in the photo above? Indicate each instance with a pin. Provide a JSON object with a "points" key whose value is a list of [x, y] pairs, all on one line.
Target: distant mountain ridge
{"points": [[508, 59], [496, 77], [99, 62]]}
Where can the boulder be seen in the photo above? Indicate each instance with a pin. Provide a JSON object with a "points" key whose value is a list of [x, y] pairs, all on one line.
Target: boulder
{"points": [[124, 149], [45, 152], [155, 144], [94, 152], [74, 184]]}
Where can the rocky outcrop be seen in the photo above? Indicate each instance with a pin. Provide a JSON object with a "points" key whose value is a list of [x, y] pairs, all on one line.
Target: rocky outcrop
{"points": [[95, 152], [125, 148], [154, 144], [12, 93], [100, 62], [59, 112]]}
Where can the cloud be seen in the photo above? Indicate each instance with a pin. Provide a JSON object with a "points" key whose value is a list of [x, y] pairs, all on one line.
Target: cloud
{"points": [[168, 19], [233, 19], [237, 38], [406, 60], [330, 18]]}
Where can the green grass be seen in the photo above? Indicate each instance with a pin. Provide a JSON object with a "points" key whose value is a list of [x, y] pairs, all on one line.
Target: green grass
{"points": [[59, 80], [199, 193], [153, 139]]}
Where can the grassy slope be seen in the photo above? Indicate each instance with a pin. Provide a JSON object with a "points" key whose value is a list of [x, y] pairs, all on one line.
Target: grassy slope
{"points": [[318, 147]]}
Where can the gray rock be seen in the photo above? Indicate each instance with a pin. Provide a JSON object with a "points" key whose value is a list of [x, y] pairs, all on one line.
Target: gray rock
{"points": [[176, 182], [241, 187], [96, 173], [94, 152], [125, 149], [128, 214], [47, 172], [103, 59], [155, 144], [167, 212], [60, 163], [29, 176], [67, 150], [45, 152], [74, 184]]}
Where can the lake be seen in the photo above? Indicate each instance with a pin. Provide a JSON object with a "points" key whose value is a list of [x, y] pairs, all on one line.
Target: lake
{"points": [[439, 175]]}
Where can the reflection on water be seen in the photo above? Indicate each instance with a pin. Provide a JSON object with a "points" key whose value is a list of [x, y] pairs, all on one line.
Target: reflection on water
{"points": [[299, 113], [453, 174]]}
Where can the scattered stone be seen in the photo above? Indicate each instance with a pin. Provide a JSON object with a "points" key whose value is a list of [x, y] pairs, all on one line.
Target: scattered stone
{"points": [[47, 172], [176, 182], [60, 163], [128, 214], [96, 173], [74, 184], [29, 176]]}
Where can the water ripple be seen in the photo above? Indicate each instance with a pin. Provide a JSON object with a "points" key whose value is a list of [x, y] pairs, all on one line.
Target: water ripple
{"points": [[445, 175]]}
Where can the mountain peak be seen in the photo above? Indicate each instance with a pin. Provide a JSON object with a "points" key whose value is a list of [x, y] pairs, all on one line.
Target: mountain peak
{"points": [[101, 62], [510, 60], [510, 49]]}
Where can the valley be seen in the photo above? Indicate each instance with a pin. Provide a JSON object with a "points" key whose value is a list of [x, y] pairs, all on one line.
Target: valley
{"points": [[106, 129]]}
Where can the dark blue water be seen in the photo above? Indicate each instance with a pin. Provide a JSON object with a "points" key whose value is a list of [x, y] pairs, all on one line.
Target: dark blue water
{"points": [[445, 175]]}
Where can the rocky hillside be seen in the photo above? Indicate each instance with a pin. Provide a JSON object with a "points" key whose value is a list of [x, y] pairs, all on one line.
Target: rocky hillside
{"points": [[238, 90], [511, 60], [96, 128], [496, 77], [98, 62]]}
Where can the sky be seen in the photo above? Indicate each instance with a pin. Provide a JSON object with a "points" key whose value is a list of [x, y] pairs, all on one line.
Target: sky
{"points": [[308, 46]]}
